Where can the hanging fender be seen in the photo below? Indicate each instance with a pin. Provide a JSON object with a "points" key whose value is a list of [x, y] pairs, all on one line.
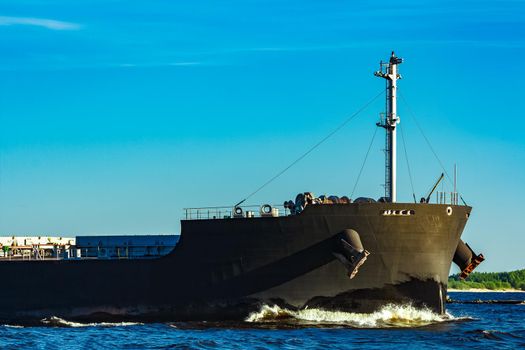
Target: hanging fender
{"points": [[349, 250], [466, 259]]}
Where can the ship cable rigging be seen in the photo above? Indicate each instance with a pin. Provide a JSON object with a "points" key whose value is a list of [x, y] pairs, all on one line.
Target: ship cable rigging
{"points": [[406, 158], [311, 149], [408, 163], [364, 162], [413, 116]]}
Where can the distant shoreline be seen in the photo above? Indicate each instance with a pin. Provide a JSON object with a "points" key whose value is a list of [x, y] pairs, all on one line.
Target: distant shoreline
{"points": [[475, 290]]}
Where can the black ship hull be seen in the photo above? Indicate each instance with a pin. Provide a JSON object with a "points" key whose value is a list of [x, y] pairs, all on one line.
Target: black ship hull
{"points": [[222, 269]]}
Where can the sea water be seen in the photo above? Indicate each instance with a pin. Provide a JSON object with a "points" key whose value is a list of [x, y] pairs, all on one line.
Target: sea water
{"points": [[479, 325]]}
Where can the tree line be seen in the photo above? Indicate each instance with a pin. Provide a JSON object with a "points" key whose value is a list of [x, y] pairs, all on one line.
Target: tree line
{"points": [[490, 280]]}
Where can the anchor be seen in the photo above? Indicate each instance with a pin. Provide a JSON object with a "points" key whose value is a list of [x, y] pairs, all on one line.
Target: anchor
{"points": [[350, 252], [466, 259]]}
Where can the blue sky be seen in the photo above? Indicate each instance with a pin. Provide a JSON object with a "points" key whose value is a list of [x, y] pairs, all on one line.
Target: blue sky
{"points": [[114, 115]]}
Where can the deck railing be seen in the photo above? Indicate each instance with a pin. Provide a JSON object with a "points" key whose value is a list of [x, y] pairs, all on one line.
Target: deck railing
{"points": [[225, 212], [253, 211], [451, 198], [74, 252]]}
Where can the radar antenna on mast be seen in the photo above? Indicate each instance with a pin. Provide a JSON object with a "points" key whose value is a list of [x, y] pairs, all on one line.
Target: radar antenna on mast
{"points": [[389, 121]]}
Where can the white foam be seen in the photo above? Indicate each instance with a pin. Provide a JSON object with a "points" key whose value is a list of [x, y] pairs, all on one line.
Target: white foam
{"points": [[60, 322], [388, 316]]}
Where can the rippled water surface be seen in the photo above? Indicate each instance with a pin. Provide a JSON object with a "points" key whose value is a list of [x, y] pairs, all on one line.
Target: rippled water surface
{"points": [[478, 326]]}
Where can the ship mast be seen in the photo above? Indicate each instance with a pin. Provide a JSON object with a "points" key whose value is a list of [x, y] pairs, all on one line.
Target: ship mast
{"points": [[389, 121]]}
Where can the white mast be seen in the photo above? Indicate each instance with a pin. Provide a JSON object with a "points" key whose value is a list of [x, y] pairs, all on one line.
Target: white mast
{"points": [[388, 71]]}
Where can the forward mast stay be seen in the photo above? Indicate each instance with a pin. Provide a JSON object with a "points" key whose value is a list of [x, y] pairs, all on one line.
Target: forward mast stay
{"points": [[389, 122]]}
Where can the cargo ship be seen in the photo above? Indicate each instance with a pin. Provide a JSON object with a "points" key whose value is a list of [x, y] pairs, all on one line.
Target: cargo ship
{"points": [[332, 253]]}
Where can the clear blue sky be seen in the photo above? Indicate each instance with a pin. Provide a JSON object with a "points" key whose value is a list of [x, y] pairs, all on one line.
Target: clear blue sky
{"points": [[114, 115]]}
